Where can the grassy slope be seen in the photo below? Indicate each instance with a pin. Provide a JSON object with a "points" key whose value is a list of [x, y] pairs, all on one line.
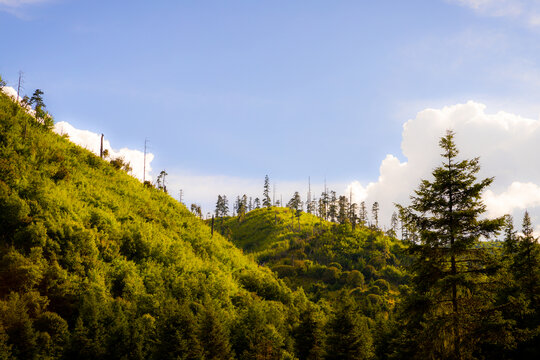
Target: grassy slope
{"points": [[75, 231]]}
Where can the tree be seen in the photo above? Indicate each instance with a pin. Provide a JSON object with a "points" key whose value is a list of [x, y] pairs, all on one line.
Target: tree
{"points": [[323, 205], [349, 336], [309, 335], [333, 206], [352, 213], [450, 301], [393, 225], [362, 215], [39, 105], [510, 245], [527, 263], [219, 206], [161, 180], [196, 210], [343, 209], [295, 203], [257, 203], [241, 208], [266, 202], [375, 213], [2, 82]]}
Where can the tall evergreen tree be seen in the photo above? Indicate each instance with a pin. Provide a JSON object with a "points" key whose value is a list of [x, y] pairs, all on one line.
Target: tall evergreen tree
{"points": [[450, 304], [323, 205], [528, 263], [333, 206], [225, 206], [349, 336], [309, 335], [219, 206], [266, 202], [343, 212], [352, 213], [362, 214], [375, 214]]}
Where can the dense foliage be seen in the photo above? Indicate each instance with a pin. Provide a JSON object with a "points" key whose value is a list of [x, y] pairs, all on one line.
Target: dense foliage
{"points": [[95, 265]]}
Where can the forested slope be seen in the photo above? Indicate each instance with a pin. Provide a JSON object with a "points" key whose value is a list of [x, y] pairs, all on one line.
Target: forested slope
{"points": [[95, 265], [331, 262]]}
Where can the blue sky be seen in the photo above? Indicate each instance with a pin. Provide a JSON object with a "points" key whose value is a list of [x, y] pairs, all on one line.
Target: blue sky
{"points": [[240, 89]]}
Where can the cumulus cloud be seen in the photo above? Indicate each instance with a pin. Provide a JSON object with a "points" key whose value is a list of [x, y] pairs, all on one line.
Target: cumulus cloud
{"points": [[506, 144], [525, 11], [92, 141]]}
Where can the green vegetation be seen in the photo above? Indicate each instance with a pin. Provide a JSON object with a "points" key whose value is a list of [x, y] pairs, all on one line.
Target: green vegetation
{"points": [[96, 265], [323, 258]]}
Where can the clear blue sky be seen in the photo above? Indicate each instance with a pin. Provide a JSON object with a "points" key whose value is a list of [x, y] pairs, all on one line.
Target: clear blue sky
{"points": [[246, 88]]}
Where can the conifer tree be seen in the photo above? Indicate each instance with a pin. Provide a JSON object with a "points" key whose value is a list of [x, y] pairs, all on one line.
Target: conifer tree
{"points": [[295, 204], [219, 206], [349, 336], [309, 335], [257, 203], [375, 214], [352, 213], [362, 214], [528, 263], [393, 225], [450, 301], [323, 205], [266, 202], [343, 212], [224, 206], [333, 206]]}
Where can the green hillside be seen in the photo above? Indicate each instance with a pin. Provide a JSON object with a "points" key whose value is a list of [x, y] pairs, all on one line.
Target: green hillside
{"points": [[95, 265], [322, 257]]}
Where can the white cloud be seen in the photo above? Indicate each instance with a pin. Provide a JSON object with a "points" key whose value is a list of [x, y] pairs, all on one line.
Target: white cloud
{"points": [[518, 196], [525, 11], [506, 144], [494, 7], [92, 141]]}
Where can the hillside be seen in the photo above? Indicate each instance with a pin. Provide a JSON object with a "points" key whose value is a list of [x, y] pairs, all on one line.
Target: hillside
{"points": [[95, 265], [322, 257]]}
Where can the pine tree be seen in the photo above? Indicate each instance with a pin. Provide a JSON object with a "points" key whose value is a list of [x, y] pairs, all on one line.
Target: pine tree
{"points": [[224, 206], [510, 238], [450, 303], [266, 202], [323, 205], [219, 206], [343, 212], [309, 335], [349, 336], [393, 225], [257, 203], [333, 206], [375, 214], [362, 214], [528, 263], [352, 213]]}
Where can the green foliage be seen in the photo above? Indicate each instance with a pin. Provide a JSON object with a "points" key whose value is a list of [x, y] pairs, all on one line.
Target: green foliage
{"points": [[453, 288], [95, 265]]}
